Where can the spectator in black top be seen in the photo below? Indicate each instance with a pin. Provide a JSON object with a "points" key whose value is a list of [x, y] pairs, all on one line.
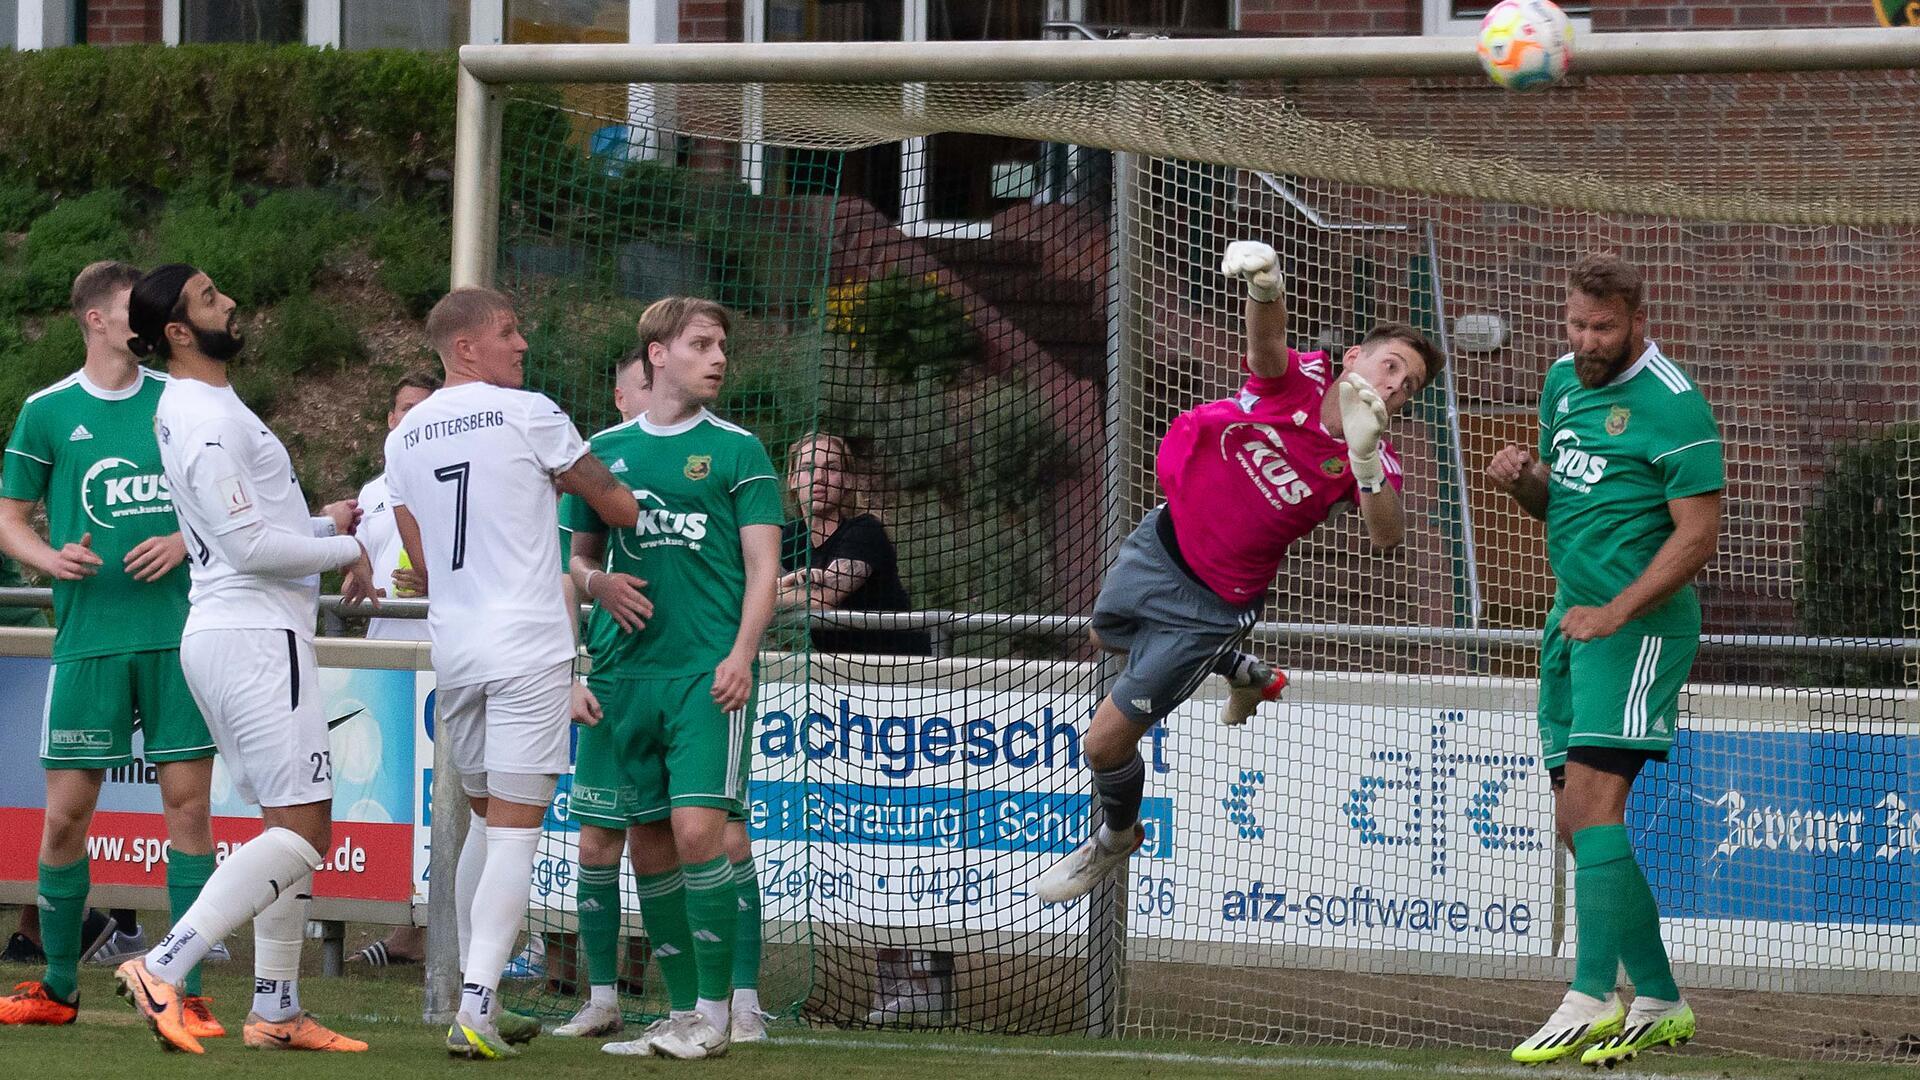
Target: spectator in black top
{"points": [[838, 557]]}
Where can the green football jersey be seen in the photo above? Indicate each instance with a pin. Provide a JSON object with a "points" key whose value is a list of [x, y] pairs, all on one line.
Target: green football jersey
{"points": [[1615, 456], [698, 483], [91, 455]]}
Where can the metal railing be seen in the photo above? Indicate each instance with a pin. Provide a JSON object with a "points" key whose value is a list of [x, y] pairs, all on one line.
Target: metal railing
{"points": [[1074, 626]]}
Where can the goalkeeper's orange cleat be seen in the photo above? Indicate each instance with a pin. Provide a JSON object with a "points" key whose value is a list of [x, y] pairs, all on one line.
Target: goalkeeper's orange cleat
{"points": [[158, 1003], [302, 1032], [200, 1019], [31, 1004]]}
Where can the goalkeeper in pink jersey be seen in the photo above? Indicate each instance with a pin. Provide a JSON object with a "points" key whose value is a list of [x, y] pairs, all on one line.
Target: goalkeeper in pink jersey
{"points": [[1244, 478]]}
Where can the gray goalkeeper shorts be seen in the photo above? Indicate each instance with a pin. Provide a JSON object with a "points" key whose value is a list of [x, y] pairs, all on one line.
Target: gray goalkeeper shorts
{"points": [[1172, 628]]}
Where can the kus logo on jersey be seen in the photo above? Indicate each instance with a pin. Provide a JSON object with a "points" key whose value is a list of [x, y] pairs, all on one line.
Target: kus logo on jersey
{"points": [[657, 520], [1259, 450], [1574, 467], [115, 489]]}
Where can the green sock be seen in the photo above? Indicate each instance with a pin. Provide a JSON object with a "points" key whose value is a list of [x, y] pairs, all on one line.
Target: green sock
{"points": [[746, 942], [663, 907], [1624, 908], [63, 908], [186, 876], [598, 900], [713, 912], [1618, 920]]}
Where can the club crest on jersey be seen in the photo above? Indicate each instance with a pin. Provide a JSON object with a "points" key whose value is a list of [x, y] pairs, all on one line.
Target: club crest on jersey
{"points": [[1334, 467], [1617, 419], [698, 466]]}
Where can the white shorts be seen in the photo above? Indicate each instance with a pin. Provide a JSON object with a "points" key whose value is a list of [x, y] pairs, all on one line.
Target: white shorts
{"points": [[516, 725], [260, 693]]}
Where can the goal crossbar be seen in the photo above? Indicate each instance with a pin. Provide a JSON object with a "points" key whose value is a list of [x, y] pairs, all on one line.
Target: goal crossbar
{"points": [[1655, 53]]}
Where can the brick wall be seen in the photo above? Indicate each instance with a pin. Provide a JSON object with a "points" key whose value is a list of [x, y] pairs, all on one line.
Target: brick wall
{"points": [[1340, 18], [1728, 14], [711, 20], [122, 22]]}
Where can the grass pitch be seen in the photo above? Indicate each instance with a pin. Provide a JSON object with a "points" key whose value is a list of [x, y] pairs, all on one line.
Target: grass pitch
{"points": [[384, 1009]]}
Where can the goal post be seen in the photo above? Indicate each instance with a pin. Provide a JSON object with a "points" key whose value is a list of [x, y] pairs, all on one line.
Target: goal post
{"points": [[1373, 860]]}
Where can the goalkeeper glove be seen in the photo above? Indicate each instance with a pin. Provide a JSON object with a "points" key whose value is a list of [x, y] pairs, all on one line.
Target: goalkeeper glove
{"points": [[1258, 265], [1363, 417]]}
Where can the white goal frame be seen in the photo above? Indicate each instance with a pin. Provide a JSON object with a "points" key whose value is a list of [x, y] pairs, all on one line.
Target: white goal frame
{"points": [[486, 70]]}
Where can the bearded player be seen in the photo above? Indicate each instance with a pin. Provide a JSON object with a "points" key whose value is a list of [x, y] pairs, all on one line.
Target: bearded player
{"points": [[1630, 490], [1244, 478]]}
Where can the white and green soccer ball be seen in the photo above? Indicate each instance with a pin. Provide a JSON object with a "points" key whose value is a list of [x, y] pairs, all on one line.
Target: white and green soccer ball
{"points": [[1526, 44]]}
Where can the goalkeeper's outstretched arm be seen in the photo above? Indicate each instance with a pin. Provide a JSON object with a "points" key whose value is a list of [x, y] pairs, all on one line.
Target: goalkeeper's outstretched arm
{"points": [[1257, 265]]}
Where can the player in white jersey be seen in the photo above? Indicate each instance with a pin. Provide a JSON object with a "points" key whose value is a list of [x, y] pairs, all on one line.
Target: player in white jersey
{"points": [[403, 944], [247, 651], [377, 529], [472, 474]]}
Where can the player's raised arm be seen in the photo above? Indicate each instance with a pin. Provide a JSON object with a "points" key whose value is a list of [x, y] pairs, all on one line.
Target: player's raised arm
{"points": [[1258, 265], [1363, 420]]}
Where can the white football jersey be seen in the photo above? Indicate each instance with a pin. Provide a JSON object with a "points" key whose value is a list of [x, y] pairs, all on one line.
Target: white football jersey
{"points": [[227, 471], [382, 539], [474, 464]]}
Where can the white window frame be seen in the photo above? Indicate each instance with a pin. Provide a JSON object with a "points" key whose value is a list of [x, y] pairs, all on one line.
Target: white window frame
{"points": [[1436, 19], [43, 24], [326, 23]]}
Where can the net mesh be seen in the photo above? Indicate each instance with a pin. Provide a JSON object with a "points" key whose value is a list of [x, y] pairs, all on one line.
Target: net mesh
{"points": [[999, 296]]}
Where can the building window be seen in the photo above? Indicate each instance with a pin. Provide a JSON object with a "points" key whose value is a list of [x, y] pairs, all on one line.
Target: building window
{"points": [[833, 20], [1166, 16], [544, 22], [422, 24], [278, 22], [9, 24], [1460, 10]]}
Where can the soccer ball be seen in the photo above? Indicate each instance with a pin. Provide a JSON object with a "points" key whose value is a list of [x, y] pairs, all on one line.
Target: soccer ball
{"points": [[1525, 44]]}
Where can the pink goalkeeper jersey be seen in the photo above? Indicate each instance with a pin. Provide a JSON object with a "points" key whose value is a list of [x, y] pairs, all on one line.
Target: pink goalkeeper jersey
{"points": [[1248, 476]]}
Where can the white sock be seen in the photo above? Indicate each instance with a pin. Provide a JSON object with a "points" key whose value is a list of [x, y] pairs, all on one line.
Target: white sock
{"points": [[276, 999], [716, 1013], [499, 911], [603, 995], [466, 880], [747, 1001], [682, 1014], [264, 868], [276, 953]]}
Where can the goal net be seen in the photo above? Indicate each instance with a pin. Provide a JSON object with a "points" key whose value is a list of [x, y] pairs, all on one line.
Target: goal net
{"points": [[999, 295]]}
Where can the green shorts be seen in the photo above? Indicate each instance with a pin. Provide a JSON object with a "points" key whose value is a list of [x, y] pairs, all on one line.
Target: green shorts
{"points": [[660, 743], [1620, 691], [94, 704]]}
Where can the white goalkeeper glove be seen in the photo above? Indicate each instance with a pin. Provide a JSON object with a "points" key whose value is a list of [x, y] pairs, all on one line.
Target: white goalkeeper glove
{"points": [[1256, 264], [1363, 417]]}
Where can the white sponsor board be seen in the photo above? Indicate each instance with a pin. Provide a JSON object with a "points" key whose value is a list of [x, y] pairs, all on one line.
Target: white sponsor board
{"points": [[1353, 826]]}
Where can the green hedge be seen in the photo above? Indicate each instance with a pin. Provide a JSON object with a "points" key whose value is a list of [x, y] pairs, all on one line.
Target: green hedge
{"points": [[1853, 554], [140, 116]]}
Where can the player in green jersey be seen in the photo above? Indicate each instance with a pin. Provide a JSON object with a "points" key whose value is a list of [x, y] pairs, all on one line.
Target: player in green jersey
{"points": [[1628, 480], [85, 447], [666, 766]]}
